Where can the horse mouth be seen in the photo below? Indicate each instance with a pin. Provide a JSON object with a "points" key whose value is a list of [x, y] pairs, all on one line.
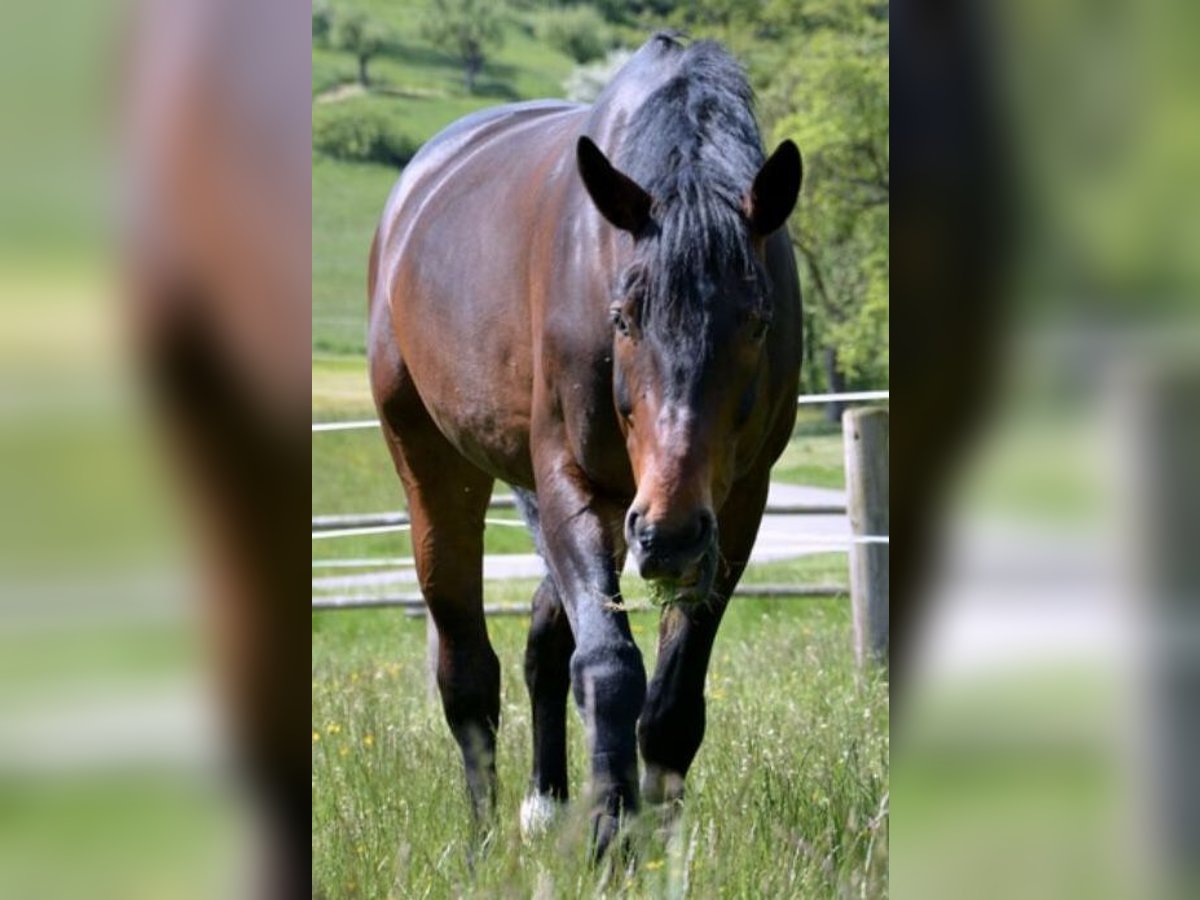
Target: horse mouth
{"points": [[692, 587]]}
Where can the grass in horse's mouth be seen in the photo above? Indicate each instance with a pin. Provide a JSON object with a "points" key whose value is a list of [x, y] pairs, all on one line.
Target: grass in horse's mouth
{"points": [[666, 591]]}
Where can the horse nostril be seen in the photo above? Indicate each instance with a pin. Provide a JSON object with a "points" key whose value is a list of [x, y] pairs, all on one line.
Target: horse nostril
{"points": [[646, 537], [634, 533]]}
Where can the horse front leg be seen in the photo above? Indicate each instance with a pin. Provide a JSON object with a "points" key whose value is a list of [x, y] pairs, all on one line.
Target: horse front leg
{"points": [[581, 533], [548, 678], [673, 719]]}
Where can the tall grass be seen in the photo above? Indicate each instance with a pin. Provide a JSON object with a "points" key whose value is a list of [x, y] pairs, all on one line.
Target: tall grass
{"points": [[787, 796]]}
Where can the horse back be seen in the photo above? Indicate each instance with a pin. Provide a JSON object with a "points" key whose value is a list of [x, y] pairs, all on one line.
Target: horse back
{"points": [[453, 273]]}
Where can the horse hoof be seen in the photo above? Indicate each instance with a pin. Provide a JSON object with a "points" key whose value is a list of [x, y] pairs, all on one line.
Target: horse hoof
{"points": [[661, 787], [537, 813], [605, 829]]}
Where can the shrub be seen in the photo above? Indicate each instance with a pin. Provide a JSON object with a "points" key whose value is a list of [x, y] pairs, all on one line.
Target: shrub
{"points": [[360, 135], [578, 31]]}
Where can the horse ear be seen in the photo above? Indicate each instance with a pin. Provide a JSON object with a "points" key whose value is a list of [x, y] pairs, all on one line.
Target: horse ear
{"points": [[776, 187], [618, 197]]}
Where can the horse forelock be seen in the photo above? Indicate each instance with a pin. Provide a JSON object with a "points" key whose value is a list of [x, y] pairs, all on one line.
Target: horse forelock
{"points": [[693, 144]]}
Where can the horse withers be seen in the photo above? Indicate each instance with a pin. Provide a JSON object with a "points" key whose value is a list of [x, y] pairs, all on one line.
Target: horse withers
{"points": [[598, 305]]}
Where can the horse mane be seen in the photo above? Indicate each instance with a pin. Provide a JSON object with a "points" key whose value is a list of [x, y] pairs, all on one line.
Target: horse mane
{"points": [[694, 145]]}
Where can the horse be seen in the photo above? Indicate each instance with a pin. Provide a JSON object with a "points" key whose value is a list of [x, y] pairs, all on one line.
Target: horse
{"points": [[598, 305]]}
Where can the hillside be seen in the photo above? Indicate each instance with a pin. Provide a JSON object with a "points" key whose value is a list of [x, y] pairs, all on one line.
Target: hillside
{"points": [[415, 90]]}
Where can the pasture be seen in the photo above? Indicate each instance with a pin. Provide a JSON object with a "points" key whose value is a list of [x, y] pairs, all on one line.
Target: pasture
{"points": [[786, 799]]}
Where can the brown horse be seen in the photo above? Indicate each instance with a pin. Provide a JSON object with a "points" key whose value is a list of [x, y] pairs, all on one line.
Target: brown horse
{"points": [[620, 342]]}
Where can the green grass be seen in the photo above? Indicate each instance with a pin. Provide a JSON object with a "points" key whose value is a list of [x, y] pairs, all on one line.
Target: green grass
{"points": [[347, 202], [784, 797], [815, 455]]}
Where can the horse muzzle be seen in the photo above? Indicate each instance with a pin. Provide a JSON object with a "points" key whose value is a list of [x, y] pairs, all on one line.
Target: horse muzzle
{"points": [[681, 556]]}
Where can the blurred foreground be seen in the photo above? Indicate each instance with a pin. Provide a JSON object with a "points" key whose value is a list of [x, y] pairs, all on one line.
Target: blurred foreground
{"points": [[1047, 345], [154, 266]]}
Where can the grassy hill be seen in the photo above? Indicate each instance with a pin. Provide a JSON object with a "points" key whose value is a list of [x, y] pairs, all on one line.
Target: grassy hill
{"points": [[418, 90]]}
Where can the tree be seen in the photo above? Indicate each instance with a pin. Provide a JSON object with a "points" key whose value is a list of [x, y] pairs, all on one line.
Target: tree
{"points": [[579, 32], [322, 23], [357, 33], [831, 97], [468, 30]]}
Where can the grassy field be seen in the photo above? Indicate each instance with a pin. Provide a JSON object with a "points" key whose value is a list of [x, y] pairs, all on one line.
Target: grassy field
{"points": [[785, 796]]}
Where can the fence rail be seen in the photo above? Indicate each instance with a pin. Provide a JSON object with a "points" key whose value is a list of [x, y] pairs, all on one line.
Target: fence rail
{"points": [[415, 602], [505, 501], [802, 400]]}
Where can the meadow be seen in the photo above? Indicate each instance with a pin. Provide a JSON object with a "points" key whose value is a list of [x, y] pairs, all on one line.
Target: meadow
{"points": [[786, 799]]}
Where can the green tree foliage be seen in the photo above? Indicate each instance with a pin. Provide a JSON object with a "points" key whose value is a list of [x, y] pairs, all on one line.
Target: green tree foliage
{"points": [[820, 70], [580, 32], [629, 11], [830, 95], [468, 30], [322, 24], [357, 33]]}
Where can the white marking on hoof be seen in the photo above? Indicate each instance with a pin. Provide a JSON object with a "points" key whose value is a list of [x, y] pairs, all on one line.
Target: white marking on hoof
{"points": [[537, 812]]}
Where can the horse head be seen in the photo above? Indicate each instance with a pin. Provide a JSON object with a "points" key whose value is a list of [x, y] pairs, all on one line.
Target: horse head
{"points": [[690, 312]]}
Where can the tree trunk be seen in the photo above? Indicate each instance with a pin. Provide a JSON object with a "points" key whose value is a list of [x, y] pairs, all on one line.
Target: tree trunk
{"points": [[362, 71], [474, 66], [836, 382]]}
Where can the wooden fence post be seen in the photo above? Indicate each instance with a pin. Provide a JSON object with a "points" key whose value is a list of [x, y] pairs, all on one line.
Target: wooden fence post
{"points": [[865, 441]]}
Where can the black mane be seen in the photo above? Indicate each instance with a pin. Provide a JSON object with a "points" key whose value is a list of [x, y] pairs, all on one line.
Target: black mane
{"points": [[694, 145]]}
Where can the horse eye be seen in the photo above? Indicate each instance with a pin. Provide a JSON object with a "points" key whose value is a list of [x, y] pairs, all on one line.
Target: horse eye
{"points": [[619, 321], [620, 324]]}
